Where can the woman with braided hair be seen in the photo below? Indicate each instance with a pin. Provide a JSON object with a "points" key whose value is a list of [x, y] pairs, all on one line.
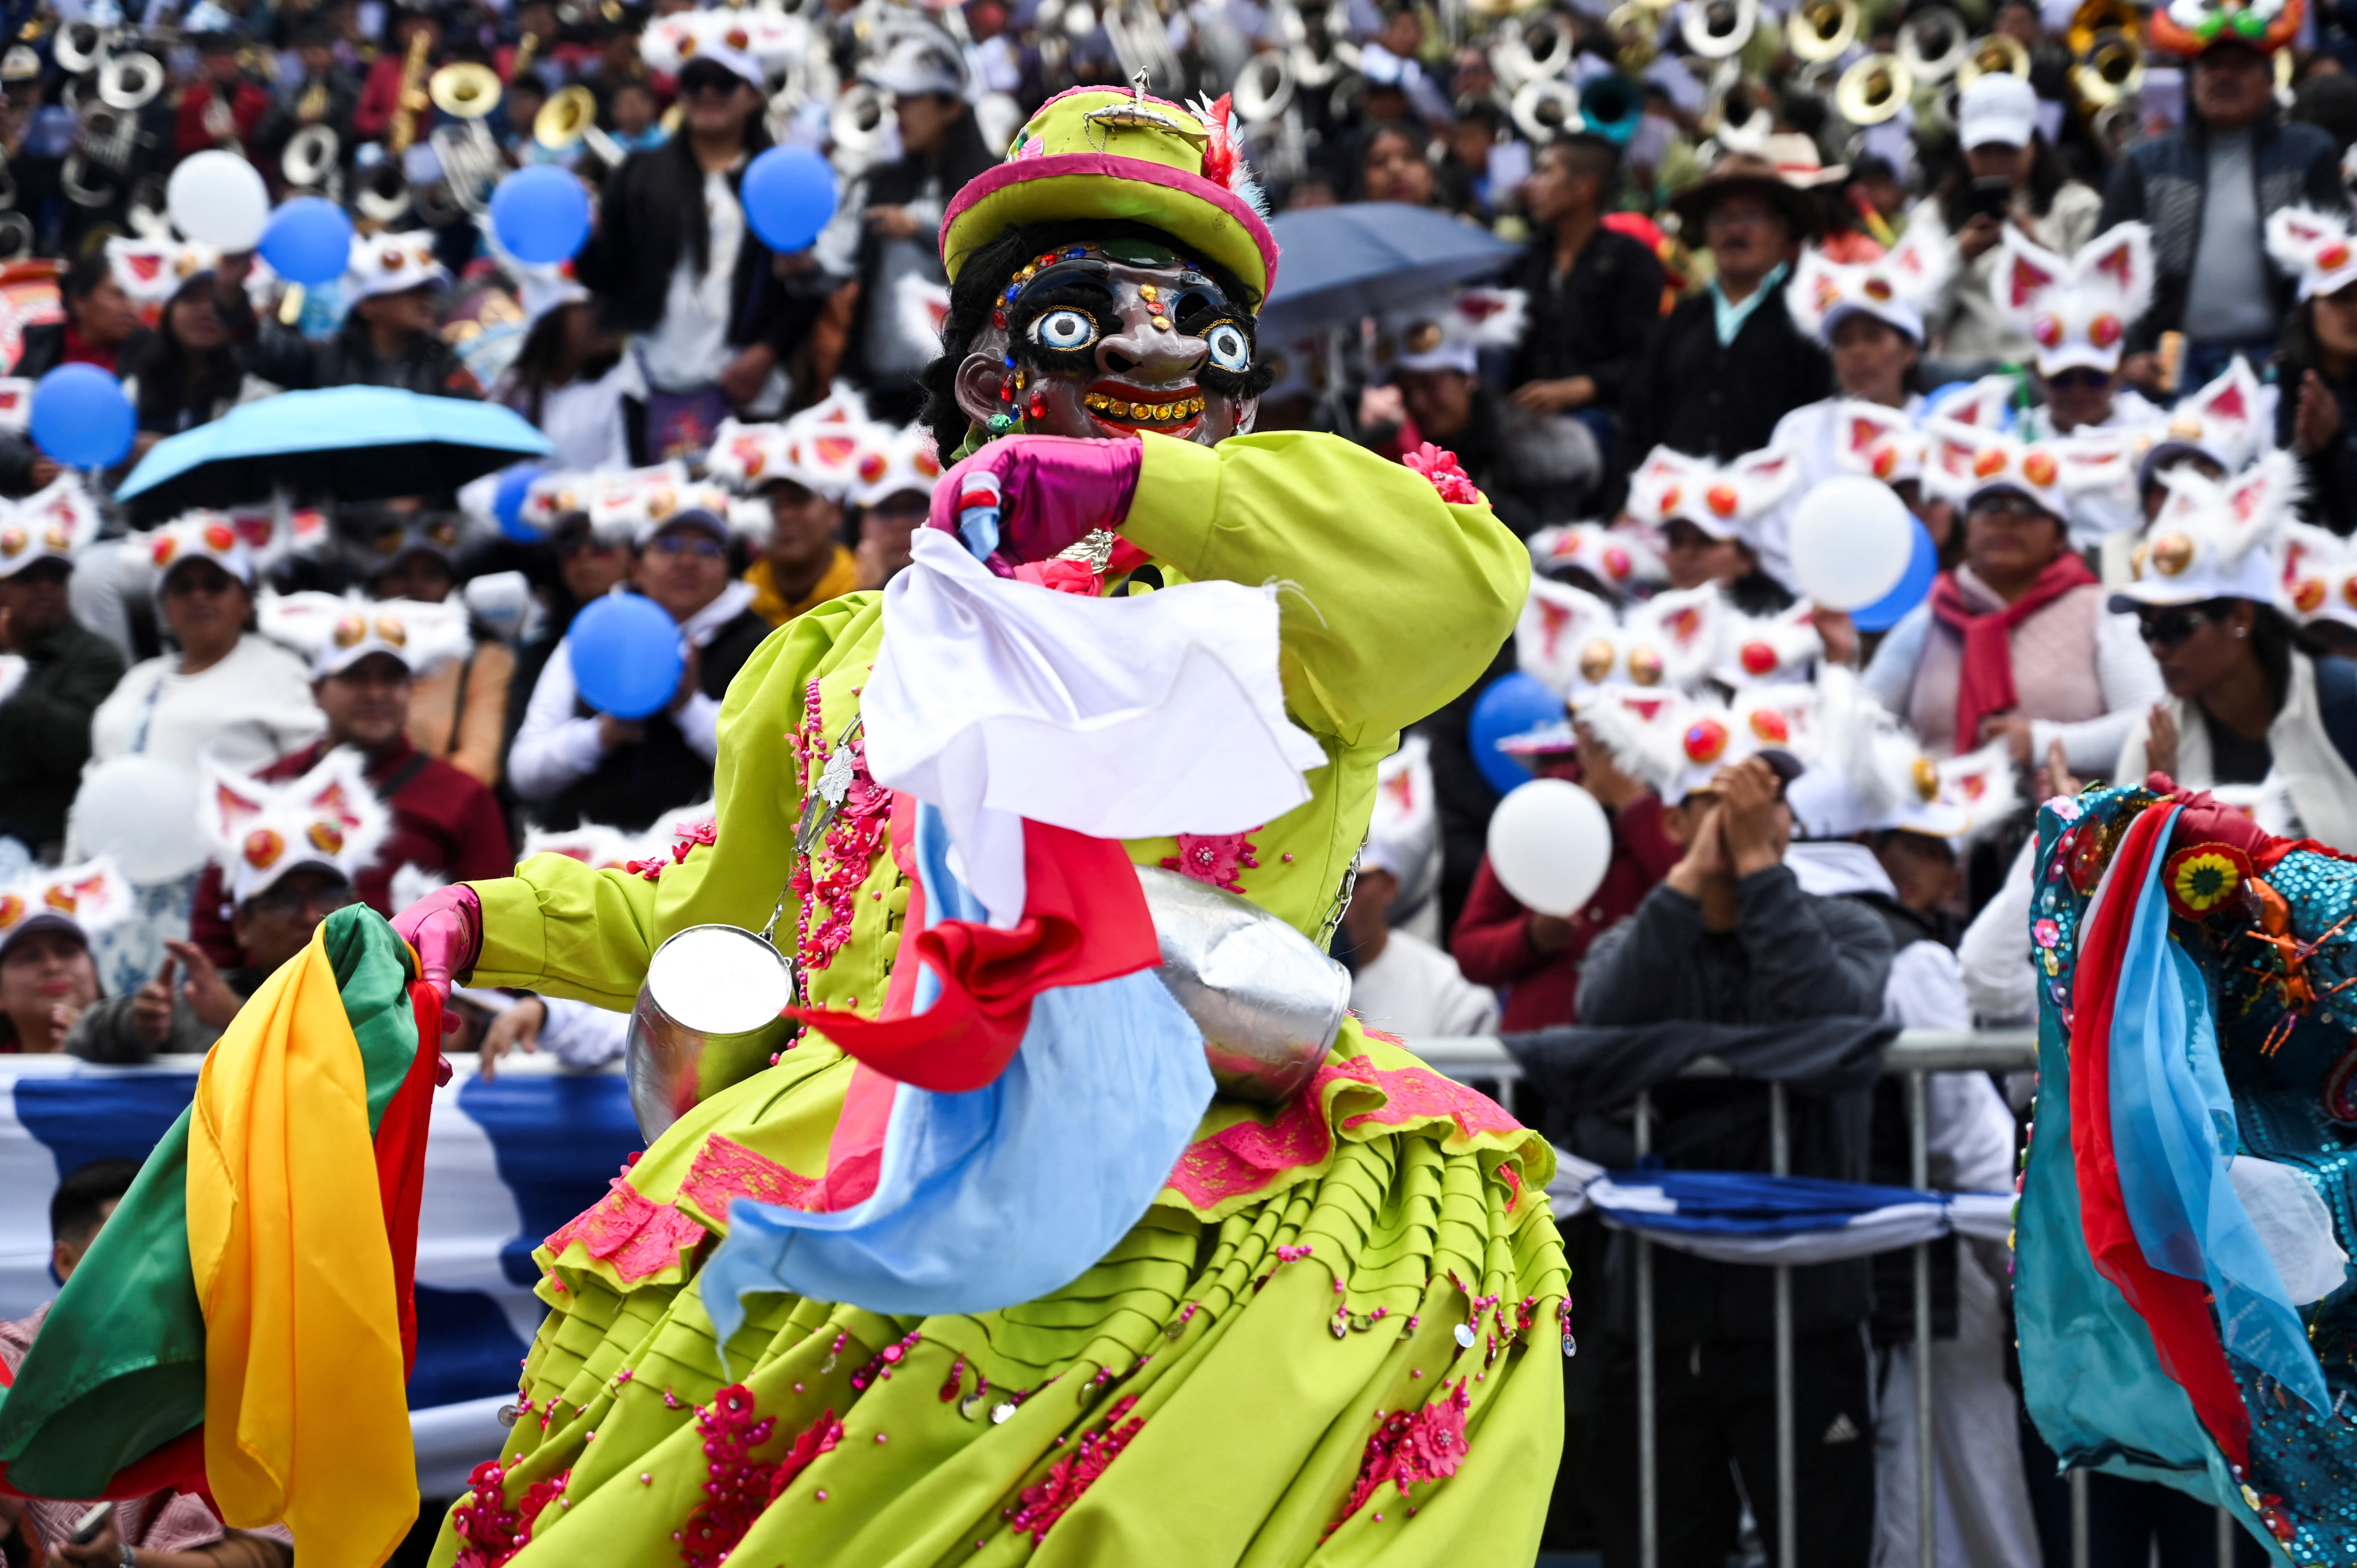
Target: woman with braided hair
{"points": [[1332, 1335]]}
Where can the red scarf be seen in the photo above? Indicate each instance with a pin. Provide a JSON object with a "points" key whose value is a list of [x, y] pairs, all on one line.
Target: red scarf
{"points": [[1986, 686]]}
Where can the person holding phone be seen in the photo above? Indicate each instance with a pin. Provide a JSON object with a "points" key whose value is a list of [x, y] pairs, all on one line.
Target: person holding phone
{"points": [[2009, 175]]}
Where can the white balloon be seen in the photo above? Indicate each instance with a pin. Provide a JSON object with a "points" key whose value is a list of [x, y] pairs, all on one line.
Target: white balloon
{"points": [[1850, 542], [218, 198], [143, 811], [1550, 844]]}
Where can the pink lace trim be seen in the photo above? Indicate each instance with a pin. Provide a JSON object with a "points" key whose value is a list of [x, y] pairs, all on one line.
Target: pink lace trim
{"points": [[1073, 1473], [492, 1531], [741, 1486], [1412, 1446], [725, 1170], [830, 878], [1243, 1159], [1219, 859], [1440, 465], [637, 1235], [1418, 1094]]}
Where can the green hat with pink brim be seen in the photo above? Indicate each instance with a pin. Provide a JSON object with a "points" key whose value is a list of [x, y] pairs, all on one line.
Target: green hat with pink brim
{"points": [[1097, 152]]}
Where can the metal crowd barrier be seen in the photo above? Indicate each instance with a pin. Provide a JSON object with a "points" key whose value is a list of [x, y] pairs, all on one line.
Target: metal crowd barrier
{"points": [[1480, 1058]]}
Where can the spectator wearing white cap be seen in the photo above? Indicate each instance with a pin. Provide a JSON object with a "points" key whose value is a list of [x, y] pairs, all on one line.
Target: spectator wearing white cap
{"points": [[572, 764], [68, 669], [48, 979], [458, 704], [2010, 178], [2014, 642], [395, 285], [2247, 708], [1536, 466], [674, 264], [2316, 415], [366, 657], [1399, 982], [884, 237], [796, 500], [220, 690]]}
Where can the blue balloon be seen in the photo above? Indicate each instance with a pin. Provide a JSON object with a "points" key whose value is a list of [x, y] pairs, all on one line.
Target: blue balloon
{"points": [[789, 195], [1514, 704], [541, 214], [1923, 565], [310, 241], [626, 656], [507, 503], [81, 417]]}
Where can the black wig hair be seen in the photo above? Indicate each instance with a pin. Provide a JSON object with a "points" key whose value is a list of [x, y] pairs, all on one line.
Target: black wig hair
{"points": [[984, 277]]}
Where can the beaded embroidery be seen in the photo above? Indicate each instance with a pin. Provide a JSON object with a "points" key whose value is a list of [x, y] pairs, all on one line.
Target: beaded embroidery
{"points": [[1412, 1446], [830, 877], [1072, 1474], [494, 1532], [1219, 859], [741, 1486], [690, 837]]}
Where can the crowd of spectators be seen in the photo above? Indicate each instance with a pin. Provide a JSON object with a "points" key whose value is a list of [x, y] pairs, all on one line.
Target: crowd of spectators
{"points": [[2068, 334]]}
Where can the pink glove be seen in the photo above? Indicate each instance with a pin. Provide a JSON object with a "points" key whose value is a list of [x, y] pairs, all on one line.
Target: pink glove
{"points": [[1052, 491], [446, 927]]}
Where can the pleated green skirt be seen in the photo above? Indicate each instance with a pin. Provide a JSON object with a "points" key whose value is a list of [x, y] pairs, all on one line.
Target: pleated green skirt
{"points": [[1335, 1339]]}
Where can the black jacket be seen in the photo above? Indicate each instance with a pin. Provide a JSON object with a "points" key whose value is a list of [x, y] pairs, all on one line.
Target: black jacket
{"points": [[45, 730], [280, 354], [1595, 320], [1709, 400], [634, 784], [2162, 182], [652, 213], [1792, 960]]}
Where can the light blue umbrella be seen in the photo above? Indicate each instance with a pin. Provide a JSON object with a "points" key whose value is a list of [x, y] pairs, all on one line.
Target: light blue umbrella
{"points": [[353, 444], [1362, 259]]}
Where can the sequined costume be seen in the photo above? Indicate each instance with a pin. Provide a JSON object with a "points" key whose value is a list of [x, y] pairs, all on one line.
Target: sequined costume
{"points": [[2209, 1344], [1335, 1336]]}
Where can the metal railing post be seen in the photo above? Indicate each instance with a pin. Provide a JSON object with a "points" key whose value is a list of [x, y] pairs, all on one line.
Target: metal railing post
{"points": [[2079, 1547], [1649, 1520], [1919, 1165], [2226, 1533], [1788, 1535]]}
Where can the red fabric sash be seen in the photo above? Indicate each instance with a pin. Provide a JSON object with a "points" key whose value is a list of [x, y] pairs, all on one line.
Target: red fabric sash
{"points": [[1085, 920], [1986, 685], [2175, 1310], [401, 1159]]}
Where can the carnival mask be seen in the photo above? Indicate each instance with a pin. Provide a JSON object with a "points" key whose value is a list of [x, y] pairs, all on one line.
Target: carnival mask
{"points": [[1104, 341]]}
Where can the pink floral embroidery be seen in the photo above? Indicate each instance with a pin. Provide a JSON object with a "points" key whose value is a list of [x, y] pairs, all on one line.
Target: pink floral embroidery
{"points": [[1412, 1446], [1073, 1473], [741, 1486], [830, 878], [639, 1236], [1219, 859], [1244, 1158], [690, 837], [494, 1532], [725, 1170], [1455, 485], [2047, 933]]}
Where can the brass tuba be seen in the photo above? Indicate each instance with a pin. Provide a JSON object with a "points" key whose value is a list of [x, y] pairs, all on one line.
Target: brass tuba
{"points": [[1993, 52], [570, 120], [1931, 42], [1822, 30], [1873, 90]]}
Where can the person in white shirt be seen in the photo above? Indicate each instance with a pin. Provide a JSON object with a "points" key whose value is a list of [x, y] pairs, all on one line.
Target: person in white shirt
{"points": [[1400, 984], [573, 764], [222, 691]]}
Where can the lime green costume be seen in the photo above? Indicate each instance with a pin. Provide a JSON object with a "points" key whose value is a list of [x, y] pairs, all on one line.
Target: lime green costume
{"points": [[1335, 1336]]}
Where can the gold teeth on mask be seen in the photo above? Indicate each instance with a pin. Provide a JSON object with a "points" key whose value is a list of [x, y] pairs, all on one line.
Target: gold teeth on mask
{"points": [[1147, 412]]}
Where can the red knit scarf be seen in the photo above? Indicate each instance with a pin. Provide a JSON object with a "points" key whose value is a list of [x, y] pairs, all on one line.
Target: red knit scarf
{"points": [[1986, 686]]}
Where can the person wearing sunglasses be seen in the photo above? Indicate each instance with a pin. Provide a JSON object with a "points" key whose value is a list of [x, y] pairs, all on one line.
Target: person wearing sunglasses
{"points": [[220, 689], [2251, 713], [571, 764]]}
